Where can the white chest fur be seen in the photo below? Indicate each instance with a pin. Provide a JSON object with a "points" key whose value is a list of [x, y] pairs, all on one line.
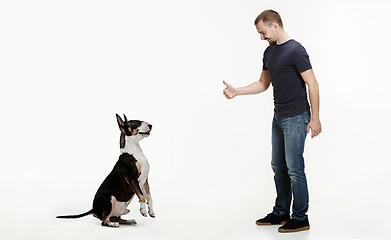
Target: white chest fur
{"points": [[132, 147]]}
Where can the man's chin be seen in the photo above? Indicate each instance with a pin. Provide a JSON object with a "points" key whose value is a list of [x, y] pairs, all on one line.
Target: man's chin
{"points": [[272, 43]]}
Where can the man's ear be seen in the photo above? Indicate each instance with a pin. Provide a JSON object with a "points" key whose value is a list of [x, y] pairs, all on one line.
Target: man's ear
{"points": [[275, 25]]}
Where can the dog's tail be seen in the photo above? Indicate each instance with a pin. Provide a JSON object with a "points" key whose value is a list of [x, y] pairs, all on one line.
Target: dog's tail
{"points": [[77, 216]]}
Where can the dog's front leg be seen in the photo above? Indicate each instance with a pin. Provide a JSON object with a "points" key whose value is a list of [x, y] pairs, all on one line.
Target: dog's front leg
{"points": [[141, 181], [149, 199], [136, 188]]}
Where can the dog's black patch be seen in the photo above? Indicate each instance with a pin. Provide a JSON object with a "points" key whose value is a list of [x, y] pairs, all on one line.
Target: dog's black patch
{"points": [[133, 124], [122, 140], [118, 184]]}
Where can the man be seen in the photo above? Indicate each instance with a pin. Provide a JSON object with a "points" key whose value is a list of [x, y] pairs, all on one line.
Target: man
{"points": [[287, 66]]}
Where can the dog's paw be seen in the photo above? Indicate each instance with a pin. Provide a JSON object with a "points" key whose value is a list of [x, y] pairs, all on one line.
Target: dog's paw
{"points": [[114, 224], [143, 212], [151, 214], [128, 222], [131, 222]]}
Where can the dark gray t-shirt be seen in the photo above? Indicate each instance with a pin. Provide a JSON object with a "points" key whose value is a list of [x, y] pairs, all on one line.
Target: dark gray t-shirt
{"points": [[284, 63]]}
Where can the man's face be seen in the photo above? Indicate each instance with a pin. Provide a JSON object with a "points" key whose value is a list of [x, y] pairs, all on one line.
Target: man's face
{"points": [[267, 33]]}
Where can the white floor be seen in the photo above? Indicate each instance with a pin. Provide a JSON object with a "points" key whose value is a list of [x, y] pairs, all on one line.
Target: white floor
{"points": [[193, 199], [191, 217]]}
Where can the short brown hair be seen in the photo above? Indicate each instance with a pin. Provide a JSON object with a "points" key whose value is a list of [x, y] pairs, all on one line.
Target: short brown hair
{"points": [[268, 17]]}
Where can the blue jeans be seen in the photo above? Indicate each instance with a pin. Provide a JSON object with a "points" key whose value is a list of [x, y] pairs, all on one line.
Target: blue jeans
{"points": [[288, 137]]}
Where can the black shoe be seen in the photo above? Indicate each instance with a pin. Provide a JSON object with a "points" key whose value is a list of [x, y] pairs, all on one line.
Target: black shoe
{"points": [[295, 225], [272, 219]]}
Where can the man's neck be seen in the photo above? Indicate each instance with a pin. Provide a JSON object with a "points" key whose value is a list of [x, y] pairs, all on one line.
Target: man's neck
{"points": [[283, 37]]}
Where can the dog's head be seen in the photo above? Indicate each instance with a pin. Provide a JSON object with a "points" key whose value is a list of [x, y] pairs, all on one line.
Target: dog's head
{"points": [[134, 129]]}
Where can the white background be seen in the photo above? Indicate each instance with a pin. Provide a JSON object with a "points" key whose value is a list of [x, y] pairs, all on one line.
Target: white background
{"points": [[66, 68]]}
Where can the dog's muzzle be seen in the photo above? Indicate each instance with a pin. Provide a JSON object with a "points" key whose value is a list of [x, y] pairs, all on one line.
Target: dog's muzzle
{"points": [[148, 132]]}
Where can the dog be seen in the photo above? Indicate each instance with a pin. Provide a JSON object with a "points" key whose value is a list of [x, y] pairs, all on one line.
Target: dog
{"points": [[129, 177]]}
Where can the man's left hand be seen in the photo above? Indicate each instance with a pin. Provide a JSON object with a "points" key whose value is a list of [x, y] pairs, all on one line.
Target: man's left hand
{"points": [[315, 126]]}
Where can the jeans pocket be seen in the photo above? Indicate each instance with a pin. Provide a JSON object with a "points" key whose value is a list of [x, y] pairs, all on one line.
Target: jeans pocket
{"points": [[307, 121], [306, 118]]}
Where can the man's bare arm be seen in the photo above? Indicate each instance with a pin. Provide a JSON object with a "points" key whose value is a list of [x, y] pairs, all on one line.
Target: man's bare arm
{"points": [[257, 87], [313, 89]]}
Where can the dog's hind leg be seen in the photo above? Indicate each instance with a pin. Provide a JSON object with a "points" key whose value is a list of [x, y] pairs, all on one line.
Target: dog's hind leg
{"points": [[123, 221], [149, 199], [107, 214], [136, 188]]}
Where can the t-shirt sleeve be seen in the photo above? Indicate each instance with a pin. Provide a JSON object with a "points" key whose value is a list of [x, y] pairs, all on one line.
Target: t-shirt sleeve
{"points": [[301, 59], [263, 60], [264, 65]]}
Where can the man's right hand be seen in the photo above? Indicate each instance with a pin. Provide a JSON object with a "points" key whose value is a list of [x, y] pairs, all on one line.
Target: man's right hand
{"points": [[229, 91]]}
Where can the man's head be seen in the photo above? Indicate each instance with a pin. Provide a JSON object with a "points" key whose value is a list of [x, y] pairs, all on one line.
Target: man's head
{"points": [[268, 24]]}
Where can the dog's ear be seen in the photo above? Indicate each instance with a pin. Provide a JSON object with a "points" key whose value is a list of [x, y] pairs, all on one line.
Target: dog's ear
{"points": [[126, 119], [121, 123]]}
